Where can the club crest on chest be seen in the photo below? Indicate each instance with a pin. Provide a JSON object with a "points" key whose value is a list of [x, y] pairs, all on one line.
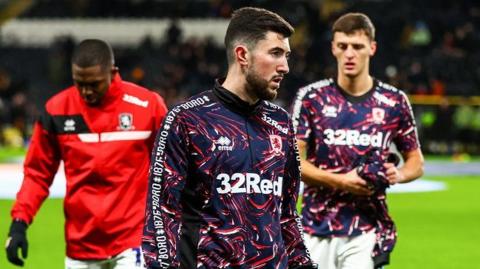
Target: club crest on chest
{"points": [[125, 121]]}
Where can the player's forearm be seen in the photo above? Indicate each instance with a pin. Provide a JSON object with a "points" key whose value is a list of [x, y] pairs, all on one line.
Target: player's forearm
{"points": [[315, 176], [412, 169], [292, 233]]}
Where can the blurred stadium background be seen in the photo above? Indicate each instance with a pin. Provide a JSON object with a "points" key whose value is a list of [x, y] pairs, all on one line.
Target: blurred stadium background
{"points": [[430, 49]]}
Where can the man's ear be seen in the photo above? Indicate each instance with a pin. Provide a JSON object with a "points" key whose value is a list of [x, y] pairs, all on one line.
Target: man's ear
{"points": [[241, 55], [114, 71], [373, 46]]}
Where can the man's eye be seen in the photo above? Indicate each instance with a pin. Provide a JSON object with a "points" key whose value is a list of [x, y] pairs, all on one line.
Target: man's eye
{"points": [[277, 53], [89, 85]]}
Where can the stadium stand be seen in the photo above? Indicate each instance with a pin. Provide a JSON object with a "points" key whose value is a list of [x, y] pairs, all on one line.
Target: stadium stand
{"points": [[429, 49]]}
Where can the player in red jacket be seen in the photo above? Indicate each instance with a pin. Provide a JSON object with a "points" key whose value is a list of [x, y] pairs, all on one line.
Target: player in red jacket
{"points": [[103, 130]]}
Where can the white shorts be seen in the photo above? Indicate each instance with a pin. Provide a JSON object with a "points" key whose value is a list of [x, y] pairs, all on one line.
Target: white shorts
{"points": [[342, 252], [129, 259]]}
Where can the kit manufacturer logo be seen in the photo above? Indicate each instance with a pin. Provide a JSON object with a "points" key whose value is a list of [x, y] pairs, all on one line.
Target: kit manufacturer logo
{"points": [[329, 111], [223, 143], [69, 125]]}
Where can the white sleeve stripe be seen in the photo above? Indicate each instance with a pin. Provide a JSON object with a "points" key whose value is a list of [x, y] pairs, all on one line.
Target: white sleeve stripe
{"points": [[89, 138], [114, 136], [297, 106]]}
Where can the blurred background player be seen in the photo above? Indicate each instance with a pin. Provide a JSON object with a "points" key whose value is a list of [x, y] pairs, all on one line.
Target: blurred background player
{"points": [[225, 179], [103, 130], [345, 127]]}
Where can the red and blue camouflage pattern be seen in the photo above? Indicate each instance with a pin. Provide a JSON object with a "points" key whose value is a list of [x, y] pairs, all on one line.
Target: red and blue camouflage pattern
{"points": [[223, 189], [340, 130]]}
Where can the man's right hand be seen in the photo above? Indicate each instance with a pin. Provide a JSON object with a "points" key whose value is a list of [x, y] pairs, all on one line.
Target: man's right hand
{"points": [[17, 239], [353, 183]]}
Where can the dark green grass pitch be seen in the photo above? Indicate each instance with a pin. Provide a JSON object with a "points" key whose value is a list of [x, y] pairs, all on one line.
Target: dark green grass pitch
{"points": [[436, 229], [45, 236]]}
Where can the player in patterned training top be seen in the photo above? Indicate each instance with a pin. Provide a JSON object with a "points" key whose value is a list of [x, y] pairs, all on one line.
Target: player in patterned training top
{"points": [[344, 130], [225, 175]]}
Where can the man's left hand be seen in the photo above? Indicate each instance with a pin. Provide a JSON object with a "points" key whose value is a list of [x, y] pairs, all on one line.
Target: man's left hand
{"points": [[394, 175]]}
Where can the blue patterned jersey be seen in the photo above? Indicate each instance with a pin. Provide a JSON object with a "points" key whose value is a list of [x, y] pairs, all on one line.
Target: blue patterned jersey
{"points": [[340, 130], [223, 187]]}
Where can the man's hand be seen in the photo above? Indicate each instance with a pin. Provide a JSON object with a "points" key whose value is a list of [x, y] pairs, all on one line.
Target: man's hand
{"points": [[353, 183], [394, 176], [17, 239]]}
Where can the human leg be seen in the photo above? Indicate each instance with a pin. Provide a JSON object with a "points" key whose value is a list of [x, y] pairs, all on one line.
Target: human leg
{"points": [[356, 252], [129, 259], [323, 250]]}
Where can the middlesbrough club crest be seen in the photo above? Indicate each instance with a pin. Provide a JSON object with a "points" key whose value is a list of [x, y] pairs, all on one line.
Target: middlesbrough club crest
{"points": [[125, 121], [378, 114], [276, 144]]}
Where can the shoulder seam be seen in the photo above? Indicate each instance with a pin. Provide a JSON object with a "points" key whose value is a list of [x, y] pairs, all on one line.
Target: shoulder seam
{"points": [[302, 92], [275, 106], [318, 84], [191, 103], [389, 87]]}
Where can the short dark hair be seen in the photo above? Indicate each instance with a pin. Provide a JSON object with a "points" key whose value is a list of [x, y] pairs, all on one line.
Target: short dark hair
{"points": [[91, 52], [248, 25], [352, 22]]}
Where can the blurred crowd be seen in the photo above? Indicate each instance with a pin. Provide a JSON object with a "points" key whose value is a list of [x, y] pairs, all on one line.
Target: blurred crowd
{"points": [[424, 47]]}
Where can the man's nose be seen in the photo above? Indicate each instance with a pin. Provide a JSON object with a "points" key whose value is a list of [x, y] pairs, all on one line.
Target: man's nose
{"points": [[283, 67], [349, 52]]}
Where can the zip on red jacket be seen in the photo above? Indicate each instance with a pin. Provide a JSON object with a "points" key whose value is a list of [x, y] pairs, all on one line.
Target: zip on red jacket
{"points": [[106, 152]]}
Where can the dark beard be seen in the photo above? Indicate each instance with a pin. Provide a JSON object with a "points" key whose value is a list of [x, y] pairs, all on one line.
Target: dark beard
{"points": [[257, 86]]}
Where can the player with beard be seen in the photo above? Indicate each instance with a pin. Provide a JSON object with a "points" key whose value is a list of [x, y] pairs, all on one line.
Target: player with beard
{"points": [[225, 176]]}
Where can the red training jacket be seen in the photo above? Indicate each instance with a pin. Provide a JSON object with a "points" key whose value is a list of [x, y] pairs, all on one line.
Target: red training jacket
{"points": [[106, 153]]}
